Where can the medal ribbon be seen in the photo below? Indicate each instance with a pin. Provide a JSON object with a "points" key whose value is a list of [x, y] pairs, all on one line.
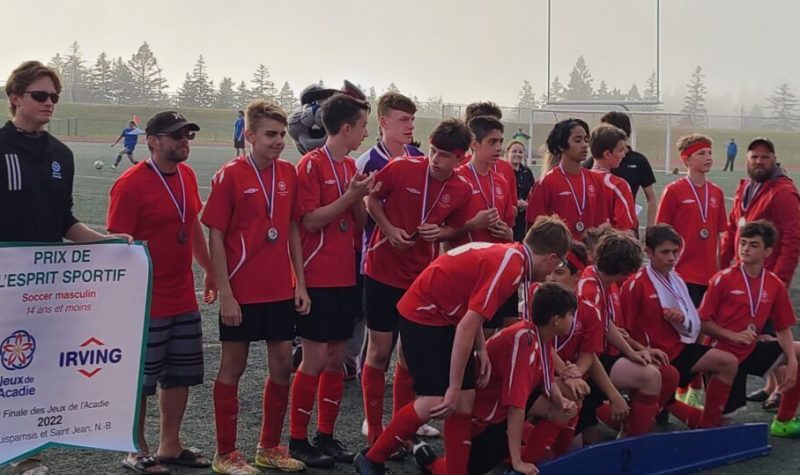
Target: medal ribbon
{"points": [[582, 205], [181, 209], [270, 199]]}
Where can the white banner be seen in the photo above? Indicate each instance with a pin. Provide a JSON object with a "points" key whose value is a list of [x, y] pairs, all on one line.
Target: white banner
{"points": [[73, 327]]}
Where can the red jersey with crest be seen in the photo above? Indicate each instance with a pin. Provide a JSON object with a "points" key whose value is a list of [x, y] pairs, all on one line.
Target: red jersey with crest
{"points": [[644, 316], [488, 191], [728, 301], [605, 299], [328, 254], [507, 171], [411, 194], [516, 354], [478, 276], [552, 195], [680, 209], [237, 206], [620, 210]]}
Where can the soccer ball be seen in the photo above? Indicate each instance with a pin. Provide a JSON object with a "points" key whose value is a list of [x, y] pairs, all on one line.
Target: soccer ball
{"points": [[98, 164]]}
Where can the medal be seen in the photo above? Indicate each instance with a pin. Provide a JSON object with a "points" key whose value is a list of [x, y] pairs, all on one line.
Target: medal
{"points": [[579, 226], [703, 206], [580, 206], [183, 236], [272, 232], [752, 328], [742, 221], [704, 233], [343, 225], [340, 185]]}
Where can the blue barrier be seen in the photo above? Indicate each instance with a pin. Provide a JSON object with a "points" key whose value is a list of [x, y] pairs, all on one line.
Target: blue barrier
{"points": [[666, 453]]}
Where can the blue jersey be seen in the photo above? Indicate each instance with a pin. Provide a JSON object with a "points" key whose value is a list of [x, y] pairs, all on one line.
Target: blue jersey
{"points": [[370, 161], [732, 149], [238, 129], [130, 137]]}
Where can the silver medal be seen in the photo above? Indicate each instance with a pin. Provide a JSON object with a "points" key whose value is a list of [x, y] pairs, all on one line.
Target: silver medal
{"points": [[183, 236], [580, 226], [742, 221], [704, 233], [272, 235], [343, 225]]}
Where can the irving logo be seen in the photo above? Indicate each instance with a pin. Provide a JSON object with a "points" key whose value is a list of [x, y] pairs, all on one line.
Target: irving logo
{"points": [[90, 358]]}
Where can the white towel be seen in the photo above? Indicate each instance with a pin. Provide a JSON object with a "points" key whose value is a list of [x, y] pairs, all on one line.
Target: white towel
{"points": [[690, 328]]}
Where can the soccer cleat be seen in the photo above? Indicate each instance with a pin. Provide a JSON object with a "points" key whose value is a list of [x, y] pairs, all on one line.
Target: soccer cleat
{"points": [[695, 398], [303, 451], [790, 428], [333, 448], [277, 458], [365, 466], [427, 430], [233, 463], [758, 395], [681, 396], [424, 455]]}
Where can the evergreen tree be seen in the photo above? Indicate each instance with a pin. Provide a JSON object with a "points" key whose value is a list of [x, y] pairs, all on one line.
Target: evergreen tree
{"points": [[188, 93], [287, 99], [392, 87], [784, 105], [243, 96], [432, 107], [57, 62], [694, 104], [633, 94], [527, 99], [263, 87], [602, 91], [616, 95], [557, 90], [123, 88], [226, 97], [580, 82], [149, 85], [75, 75], [372, 97], [651, 91], [101, 80]]}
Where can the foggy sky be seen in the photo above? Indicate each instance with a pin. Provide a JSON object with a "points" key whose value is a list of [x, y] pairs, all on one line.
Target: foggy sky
{"points": [[463, 50]]}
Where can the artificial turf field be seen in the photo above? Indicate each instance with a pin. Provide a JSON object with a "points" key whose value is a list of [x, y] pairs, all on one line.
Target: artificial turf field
{"points": [[91, 200]]}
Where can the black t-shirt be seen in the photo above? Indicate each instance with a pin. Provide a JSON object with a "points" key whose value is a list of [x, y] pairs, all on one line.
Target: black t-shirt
{"points": [[634, 168], [525, 181], [36, 174]]}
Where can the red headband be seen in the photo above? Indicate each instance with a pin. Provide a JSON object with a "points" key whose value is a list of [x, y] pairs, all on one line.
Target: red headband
{"points": [[699, 145], [576, 263]]}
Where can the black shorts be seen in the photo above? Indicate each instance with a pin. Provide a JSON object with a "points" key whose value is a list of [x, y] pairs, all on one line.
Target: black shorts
{"points": [[488, 448], [427, 350], [271, 321], [696, 293], [764, 358], [238, 143], [686, 359], [380, 305], [509, 309], [596, 397], [333, 314]]}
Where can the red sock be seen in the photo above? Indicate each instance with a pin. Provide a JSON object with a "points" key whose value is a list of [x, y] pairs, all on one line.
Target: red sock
{"points": [[304, 388], [457, 442], [644, 408], [402, 388], [687, 414], [276, 398], [716, 397], [438, 467], [669, 381], [403, 427], [697, 382], [563, 442], [373, 381], [539, 444], [226, 414], [329, 397], [789, 401], [603, 414]]}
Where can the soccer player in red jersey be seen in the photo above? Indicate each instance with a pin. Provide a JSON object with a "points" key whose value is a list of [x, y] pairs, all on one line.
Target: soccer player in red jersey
{"points": [[442, 313], [695, 207], [157, 201], [332, 210], [767, 194], [414, 210], [522, 366], [659, 314], [568, 190], [608, 147], [738, 303], [251, 214]]}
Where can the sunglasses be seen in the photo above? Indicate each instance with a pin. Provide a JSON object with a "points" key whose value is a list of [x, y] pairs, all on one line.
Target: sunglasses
{"points": [[180, 134], [42, 96]]}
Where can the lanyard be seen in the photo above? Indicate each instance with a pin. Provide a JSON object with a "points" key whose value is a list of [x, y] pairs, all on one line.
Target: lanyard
{"points": [[383, 151], [425, 212], [489, 205], [703, 206], [340, 185], [582, 205], [748, 196], [181, 208], [544, 355], [270, 199], [753, 305]]}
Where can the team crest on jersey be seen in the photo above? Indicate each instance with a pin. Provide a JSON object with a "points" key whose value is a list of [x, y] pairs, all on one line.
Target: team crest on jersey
{"points": [[281, 185], [714, 202], [56, 167], [764, 297], [413, 190], [591, 189], [445, 198], [498, 191]]}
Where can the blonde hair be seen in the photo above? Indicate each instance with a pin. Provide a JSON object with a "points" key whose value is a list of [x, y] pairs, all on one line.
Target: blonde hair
{"points": [[688, 140], [260, 109]]}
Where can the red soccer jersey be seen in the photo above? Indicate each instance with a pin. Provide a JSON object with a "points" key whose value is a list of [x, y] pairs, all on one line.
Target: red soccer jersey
{"points": [[606, 299], [644, 316], [407, 188], [507, 171], [488, 191], [585, 335], [516, 356], [559, 193], [680, 209], [777, 201], [328, 254], [141, 206], [620, 210], [237, 206], [728, 304], [477, 276]]}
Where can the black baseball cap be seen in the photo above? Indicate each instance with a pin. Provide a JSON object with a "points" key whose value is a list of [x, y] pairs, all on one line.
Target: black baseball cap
{"points": [[761, 141], [167, 122]]}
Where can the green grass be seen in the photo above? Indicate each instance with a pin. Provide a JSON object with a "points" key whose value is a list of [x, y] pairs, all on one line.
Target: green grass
{"points": [[91, 200]]}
